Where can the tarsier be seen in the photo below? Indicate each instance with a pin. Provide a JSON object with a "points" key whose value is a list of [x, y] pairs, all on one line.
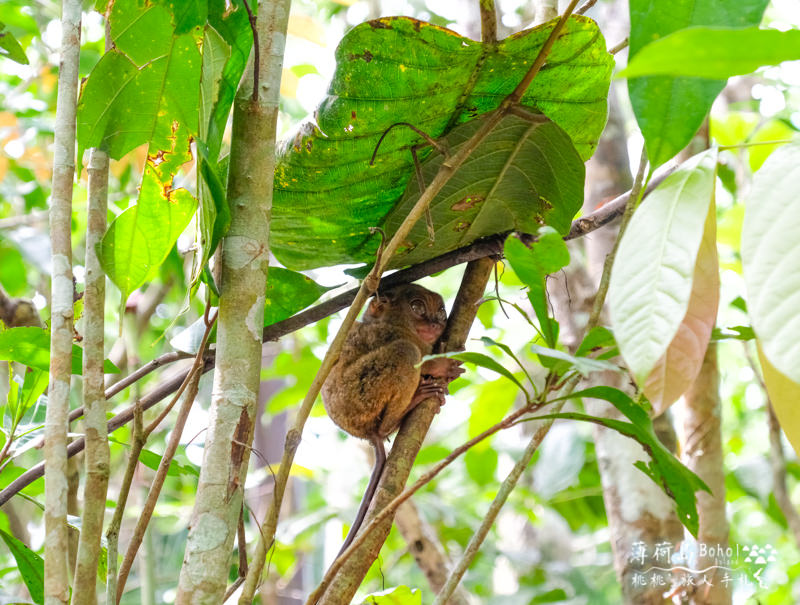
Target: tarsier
{"points": [[377, 379]]}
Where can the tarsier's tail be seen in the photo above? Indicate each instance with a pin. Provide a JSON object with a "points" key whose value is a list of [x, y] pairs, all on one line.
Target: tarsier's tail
{"points": [[380, 462]]}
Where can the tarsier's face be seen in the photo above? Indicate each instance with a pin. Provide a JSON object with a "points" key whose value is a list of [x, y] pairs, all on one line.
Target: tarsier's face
{"points": [[413, 306], [428, 315]]}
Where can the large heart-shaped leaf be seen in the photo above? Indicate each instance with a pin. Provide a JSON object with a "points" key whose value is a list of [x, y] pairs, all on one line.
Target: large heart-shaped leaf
{"points": [[524, 173], [395, 70]]}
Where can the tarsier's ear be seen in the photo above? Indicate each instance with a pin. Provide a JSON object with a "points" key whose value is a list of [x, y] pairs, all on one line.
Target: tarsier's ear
{"points": [[379, 303], [377, 306]]}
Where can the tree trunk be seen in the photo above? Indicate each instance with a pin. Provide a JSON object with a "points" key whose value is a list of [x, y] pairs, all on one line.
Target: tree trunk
{"points": [[702, 452], [244, 259]]}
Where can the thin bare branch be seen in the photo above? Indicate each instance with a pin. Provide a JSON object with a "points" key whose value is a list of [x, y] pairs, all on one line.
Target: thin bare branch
{"points": [[97, 449]]}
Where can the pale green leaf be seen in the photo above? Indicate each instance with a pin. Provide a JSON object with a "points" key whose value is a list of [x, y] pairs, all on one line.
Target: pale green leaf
{"points": [[651, 281], [771, 258], [399, 595]]}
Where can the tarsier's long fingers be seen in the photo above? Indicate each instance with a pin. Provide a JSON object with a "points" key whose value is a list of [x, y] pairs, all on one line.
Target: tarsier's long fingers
{"points": [[429, 388]]}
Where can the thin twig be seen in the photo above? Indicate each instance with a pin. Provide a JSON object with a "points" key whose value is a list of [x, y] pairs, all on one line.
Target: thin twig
{"points": [[630, 206], [490, 517], [112, 534], [428, 138], [589, 4], [516, 96], [32, 218], [488, 21], [619, 47], [256, 50]]}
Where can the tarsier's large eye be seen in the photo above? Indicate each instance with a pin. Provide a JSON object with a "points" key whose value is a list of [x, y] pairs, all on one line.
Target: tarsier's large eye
{"points": [[441, 315], [418, 307]]}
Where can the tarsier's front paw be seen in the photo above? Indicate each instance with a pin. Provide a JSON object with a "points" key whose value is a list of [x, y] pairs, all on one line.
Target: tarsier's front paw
{"points": [[442, 368]]}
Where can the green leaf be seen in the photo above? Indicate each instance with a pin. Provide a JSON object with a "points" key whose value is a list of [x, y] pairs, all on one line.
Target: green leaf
{"points": [[13, 275], [677, 481], [215, 214], [140, 238], [598, 337], [714, 52], [483, 361], [583, 365], [733, 332], [289, 292], [29, 564], [33, 385], [27, 345], [771, 258], [524, 173], [670, 110], [546, 255], [145, 91], [327, 195], [481, 465], [226, 46], [399, 595], [31, 346], [211, 190], [152, 461], [653, 273], [10, 48], [507, 350], [492, 403], [230, 20]]}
